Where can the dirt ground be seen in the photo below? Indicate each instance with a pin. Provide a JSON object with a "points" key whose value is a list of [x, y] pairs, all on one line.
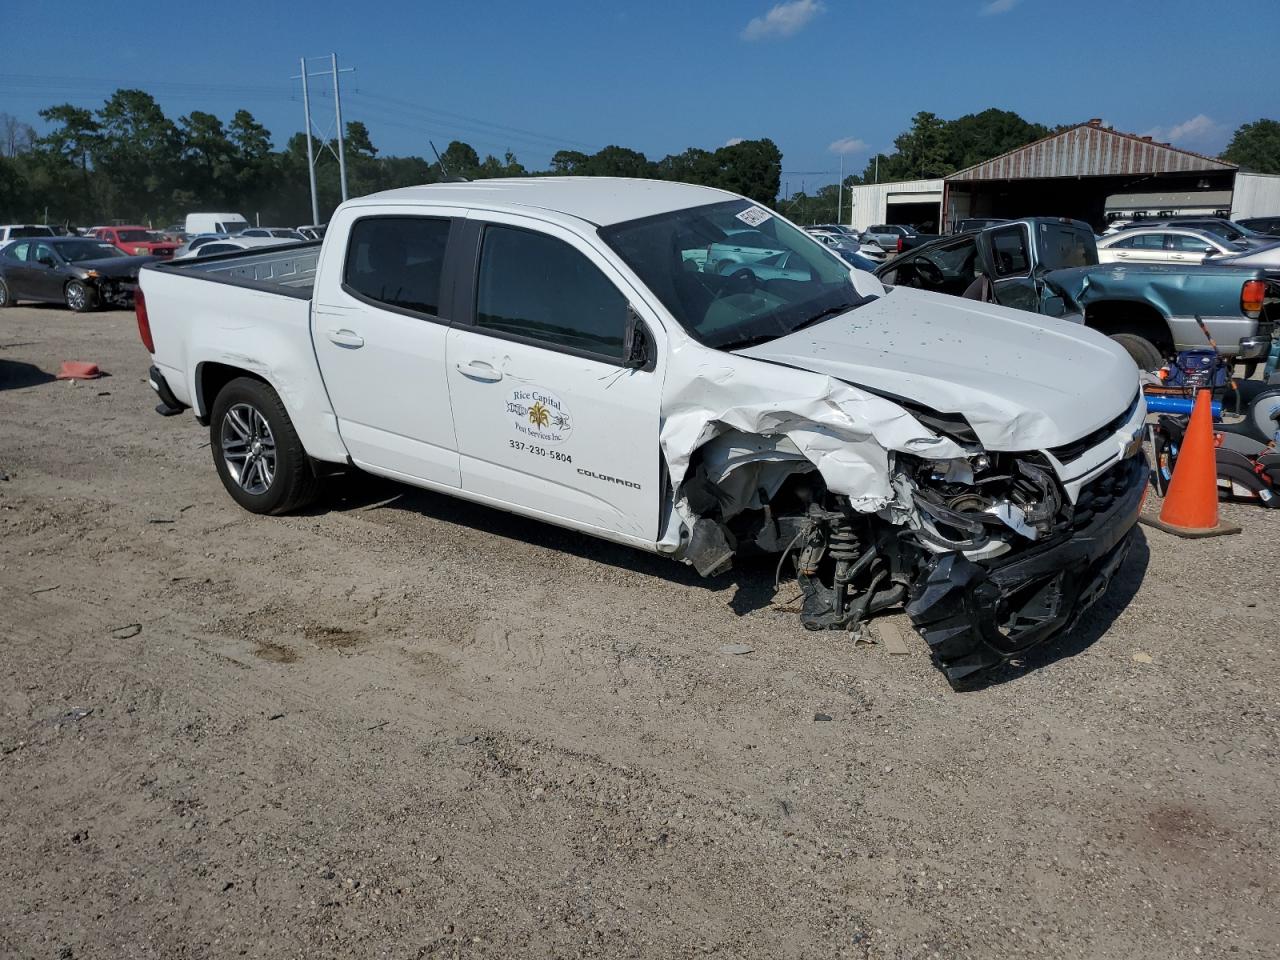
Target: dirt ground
{"points": [[403, 726]]}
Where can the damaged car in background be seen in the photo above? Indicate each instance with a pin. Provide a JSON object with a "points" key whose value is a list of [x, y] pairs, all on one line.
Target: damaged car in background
{"points": [[570, 350]]}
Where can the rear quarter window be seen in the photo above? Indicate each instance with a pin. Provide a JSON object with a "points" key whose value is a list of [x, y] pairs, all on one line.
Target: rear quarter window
{"points": [[397, 261]]}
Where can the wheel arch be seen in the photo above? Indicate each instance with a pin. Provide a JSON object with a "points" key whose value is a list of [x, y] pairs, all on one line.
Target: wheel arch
{"points": [[211, 377], [1130, 316]]}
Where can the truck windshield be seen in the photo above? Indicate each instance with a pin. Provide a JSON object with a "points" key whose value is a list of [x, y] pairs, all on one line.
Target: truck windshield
{"points": [[1062, 245], [732, 273]]}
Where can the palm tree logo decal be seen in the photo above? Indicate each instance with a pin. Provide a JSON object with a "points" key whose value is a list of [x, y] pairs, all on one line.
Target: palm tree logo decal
{"points": [[539, 415]]}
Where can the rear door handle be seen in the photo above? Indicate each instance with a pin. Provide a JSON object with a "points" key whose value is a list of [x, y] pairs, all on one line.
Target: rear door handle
{"points": [[346, 338], [479, 370]]}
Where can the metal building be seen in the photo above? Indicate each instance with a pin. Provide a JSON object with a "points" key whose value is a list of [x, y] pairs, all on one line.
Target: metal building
{"points": [[909, 201], [1088, 172]]}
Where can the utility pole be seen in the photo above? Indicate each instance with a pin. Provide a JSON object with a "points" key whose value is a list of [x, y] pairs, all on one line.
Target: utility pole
{"points": [[337, 114], [311, 154], [341, 153], [840, 193]]}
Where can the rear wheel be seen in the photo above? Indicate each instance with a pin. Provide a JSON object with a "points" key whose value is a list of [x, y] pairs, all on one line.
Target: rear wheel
{"points": [[6, 300], [256, 450], [79, 297], [1144, 353]]}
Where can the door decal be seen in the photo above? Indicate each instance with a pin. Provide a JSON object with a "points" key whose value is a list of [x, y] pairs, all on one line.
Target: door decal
{"points": [[539, 414]]}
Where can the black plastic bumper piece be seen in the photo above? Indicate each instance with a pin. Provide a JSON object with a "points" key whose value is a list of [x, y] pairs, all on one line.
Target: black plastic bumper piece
{"points": [[976, 615], [169, 405]]}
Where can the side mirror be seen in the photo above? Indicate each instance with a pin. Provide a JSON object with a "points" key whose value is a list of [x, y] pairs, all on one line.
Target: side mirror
{"points": [[1054, 307], [46, 261], [637, 353]]}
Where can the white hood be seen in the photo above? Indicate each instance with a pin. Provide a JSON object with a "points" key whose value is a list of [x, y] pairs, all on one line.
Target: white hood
{"points": [[1023, 381]]}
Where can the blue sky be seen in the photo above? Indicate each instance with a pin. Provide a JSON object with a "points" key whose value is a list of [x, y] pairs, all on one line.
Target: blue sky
{"points": [[821, 77]]}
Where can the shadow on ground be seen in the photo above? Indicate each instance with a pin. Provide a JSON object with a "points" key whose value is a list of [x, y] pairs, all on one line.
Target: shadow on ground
{"points": [[753, 576], [14, 375], [1092, 626]]}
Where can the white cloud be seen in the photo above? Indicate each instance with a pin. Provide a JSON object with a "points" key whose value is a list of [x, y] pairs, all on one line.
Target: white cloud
{"points": [[1200, 130], [847, 145], [734, 141], [998, 6], [783, 20]]}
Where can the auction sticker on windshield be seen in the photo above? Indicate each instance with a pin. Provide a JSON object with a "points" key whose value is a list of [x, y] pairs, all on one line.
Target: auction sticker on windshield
{"points": [[539, 415], [753, 216]]}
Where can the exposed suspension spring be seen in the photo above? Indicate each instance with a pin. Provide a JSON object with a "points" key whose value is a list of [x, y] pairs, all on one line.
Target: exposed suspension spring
{"points": [[842, 542]]}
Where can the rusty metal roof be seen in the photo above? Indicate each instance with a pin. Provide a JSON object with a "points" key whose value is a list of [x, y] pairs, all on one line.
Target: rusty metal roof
{"points": [[1089, 150]]}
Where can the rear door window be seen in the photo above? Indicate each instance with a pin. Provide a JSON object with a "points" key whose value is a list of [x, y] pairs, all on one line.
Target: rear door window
{"points": [[1009, 252], [397, 262], [532, 286], [19, 251], [1189, 244]]}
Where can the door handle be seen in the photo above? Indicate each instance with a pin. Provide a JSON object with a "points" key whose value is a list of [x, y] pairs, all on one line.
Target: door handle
{"points": [[346, 338], [1122, 255], [479, 370]]}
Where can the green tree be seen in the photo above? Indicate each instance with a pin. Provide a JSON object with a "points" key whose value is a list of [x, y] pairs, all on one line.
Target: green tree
{"points": [[208, 158], [460, 160], [1256, 146], [752, 168], [569, 163], [138, 154], [976, 137], [61, 164]]}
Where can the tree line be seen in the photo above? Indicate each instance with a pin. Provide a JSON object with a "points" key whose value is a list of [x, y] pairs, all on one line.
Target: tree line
{"points": [[128, 161]]}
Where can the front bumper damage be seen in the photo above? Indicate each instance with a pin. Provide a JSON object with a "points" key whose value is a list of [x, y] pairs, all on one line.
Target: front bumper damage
{"points": [[977, 614], [115, 291], [881, 505]]}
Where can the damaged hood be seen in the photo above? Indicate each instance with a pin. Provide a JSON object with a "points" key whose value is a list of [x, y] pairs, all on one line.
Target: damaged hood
{"points": [[1022, 381]]}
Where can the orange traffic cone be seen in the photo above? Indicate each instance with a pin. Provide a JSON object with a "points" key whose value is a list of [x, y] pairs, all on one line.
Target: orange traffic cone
{"points": [[1191, 505]]}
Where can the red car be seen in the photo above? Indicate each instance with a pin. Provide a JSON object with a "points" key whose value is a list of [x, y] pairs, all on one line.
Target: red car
{"points": [[136, 241]]}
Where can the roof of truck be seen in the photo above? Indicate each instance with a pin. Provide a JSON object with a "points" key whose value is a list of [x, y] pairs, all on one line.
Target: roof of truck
{"points": [[598, 200]]}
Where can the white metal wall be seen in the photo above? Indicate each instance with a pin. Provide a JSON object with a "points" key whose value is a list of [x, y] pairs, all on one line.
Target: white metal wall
{"points": [[869, 202], [1256, 195]]}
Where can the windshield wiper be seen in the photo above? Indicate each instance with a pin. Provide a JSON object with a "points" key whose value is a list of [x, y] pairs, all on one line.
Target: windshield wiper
{"points": [[829, 312]]}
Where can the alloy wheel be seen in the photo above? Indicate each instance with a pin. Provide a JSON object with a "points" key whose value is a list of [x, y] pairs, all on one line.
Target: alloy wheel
{"points": [[248, 448]]}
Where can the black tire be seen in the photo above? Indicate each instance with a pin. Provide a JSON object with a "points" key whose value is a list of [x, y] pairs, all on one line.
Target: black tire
{"points": [[291, 482], [5, 299], [1145, 353], [80, 297]]}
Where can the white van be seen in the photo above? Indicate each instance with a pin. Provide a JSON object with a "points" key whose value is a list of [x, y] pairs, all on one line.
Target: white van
{"points": [[228, 223], [12, 231]]}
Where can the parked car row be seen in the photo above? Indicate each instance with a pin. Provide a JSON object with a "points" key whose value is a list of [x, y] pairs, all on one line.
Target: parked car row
{"points": [[99, 266]]}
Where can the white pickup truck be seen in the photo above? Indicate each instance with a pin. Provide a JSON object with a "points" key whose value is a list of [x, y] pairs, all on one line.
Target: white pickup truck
{"points": [[568, 349]]}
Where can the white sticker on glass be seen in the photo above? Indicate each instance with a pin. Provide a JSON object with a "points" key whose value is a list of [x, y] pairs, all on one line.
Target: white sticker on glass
{"points": [[753, 216]]}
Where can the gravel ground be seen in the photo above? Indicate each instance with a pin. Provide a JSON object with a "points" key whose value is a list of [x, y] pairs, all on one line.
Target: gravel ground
{"points": [[403, 726]]}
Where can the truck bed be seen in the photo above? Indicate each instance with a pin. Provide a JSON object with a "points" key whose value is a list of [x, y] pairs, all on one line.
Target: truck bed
{"points": [[289, 269]]}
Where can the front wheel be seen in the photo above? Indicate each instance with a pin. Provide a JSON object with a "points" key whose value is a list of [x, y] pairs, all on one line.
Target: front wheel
{"points": [[79, 297], [256, 450], [1144, 353]]}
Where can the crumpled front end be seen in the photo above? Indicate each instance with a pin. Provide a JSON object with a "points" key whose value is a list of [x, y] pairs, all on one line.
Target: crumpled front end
{"points": [[883, 504]]}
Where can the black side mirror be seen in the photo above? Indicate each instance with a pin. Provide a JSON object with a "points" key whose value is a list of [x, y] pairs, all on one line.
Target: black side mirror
{"points": [[636, 346], [46, 261]]}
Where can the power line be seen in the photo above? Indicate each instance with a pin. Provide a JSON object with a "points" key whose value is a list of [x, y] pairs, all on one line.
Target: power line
{"points": [[464, 121]]}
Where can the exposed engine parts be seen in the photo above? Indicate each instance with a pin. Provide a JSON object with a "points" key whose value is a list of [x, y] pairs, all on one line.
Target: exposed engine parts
{"points": [[986, 553]]}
